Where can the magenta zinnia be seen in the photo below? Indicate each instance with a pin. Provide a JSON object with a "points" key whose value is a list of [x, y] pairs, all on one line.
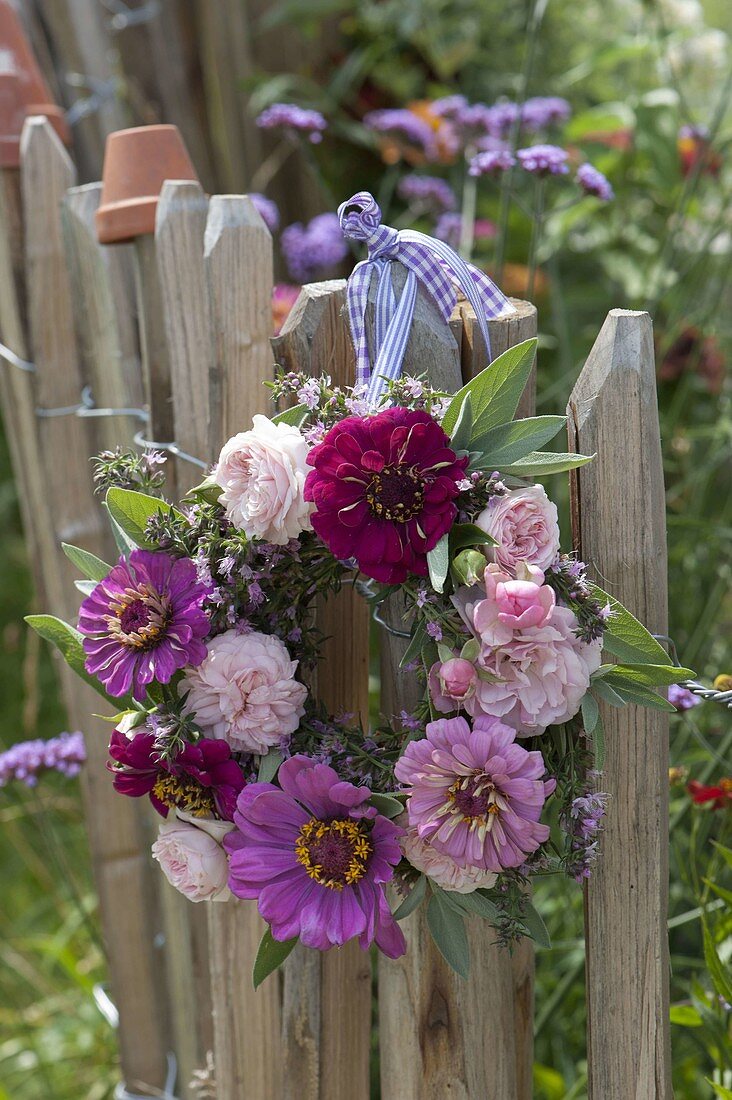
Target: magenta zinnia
{"points": [[143, 622], [474, 794], [202, 778], [384, 488], [316, 856]]}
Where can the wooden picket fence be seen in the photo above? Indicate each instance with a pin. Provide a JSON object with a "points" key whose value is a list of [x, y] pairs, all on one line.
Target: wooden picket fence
{"points": [[181, 322]]}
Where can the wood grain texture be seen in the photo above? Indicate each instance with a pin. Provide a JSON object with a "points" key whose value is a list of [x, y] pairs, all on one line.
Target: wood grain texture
{"points": [[122, 868], [153, 340], [327, 1000], [439, 1035], [102, 288], [238, 272], [620, 531]]}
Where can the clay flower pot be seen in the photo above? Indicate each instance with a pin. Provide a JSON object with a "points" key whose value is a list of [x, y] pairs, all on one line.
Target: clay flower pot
{"points": [[137, 163], [23, 90]]}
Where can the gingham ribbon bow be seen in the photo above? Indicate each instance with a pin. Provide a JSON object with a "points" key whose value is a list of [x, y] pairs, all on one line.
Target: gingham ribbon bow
{"points": [[433, 263]]}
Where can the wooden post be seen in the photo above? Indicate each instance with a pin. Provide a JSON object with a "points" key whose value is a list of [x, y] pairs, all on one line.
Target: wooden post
{"points": [[439, 1034], [620, 531], [327, 998], [55, 475], [238, 272]]}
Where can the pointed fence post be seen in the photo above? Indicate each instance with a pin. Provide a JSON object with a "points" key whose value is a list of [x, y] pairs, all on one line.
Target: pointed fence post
{"points": [[327, 998], [238, 274], [66, 510], [620, 531]]}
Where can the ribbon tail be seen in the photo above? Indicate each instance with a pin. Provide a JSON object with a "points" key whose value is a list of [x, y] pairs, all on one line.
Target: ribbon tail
{"points": [[357, 295], [388, 366]]}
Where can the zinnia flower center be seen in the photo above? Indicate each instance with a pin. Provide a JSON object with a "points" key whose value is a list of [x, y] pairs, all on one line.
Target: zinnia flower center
{"points": [[334, 853], [140, 616], [184, 793], [474, 799], [396, 493]]}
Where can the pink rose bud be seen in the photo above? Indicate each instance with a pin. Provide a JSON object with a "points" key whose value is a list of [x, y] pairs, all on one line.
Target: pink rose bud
{"points": [[192, 858], [451, 683], [522, 603]]}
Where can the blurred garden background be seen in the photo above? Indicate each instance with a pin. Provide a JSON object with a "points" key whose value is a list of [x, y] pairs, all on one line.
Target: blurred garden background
{"points": [[642, 91]]}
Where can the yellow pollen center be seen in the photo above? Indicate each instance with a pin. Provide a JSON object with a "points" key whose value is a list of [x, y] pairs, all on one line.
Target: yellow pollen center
{"points": [[334, 853], [182, 792]]}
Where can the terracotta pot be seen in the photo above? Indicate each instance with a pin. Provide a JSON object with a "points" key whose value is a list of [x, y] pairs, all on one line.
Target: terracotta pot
{"points": [[23, 90], [137, 163]]}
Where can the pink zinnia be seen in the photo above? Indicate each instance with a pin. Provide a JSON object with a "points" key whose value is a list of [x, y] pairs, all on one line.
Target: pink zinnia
{"points": [[384, 488], [475, 794], [316, 856]]}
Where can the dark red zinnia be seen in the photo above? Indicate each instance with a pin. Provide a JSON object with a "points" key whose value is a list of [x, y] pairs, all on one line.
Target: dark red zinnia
{"points": [[203, 779], [384, 488]]}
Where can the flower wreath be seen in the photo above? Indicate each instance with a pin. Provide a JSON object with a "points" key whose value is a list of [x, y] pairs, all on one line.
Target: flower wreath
{"points": [[203, 630]]}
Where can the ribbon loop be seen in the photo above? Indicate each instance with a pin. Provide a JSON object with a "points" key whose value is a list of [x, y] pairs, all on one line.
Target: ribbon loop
{"points": [[430, 262]]}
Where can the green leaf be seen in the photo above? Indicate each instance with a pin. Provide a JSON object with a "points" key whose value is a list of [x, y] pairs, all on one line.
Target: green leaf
{"points": [[726, 853], [438, 563], [718, 972], [447, 927], [208, 490], [499, 386], [534, 925], [271, 954], [544, 462], [625, 637], [648, 675], [68, 641], [295, 416], [86, 587], [510, 442], [131, 511], [607, 693], [720, 1090], [460, 435], [468, 534], [598, 744], [720, 891], [416, 644], [387, 805], [88, 564], [268, 765], [413, 899], [590, 713], [631, 692], [685, 1016], [470, 650], [475, 902]]}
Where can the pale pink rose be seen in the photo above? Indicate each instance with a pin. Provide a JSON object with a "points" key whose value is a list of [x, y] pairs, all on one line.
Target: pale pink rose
{"points": [[525, 525], [441, 868], [191, 856], [538, 677], [262, 473], [245, 691], [451, 683], [511, 605]]}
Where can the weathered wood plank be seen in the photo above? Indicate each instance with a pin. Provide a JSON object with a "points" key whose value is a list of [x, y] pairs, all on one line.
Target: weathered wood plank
{"points": [[620, 531], [238, 271], [327, 1000]]}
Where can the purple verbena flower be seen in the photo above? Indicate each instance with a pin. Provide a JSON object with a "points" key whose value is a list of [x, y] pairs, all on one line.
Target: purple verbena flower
{"points": [[289, 116], [27, 760], [543, 111], [267, 210], [491, 163], [544, 160], [403, 125], [313, 248], [428, 192], [316, 857], [683, 699], [448, 228], [593, 182], [143, 622]]}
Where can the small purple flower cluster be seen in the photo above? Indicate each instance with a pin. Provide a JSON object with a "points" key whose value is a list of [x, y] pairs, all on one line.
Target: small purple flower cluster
{"points": [[681, 698], [27, 760], [583, 824], [447, 228], [568, 578], [491, 163], [403, 125], [593, 182], [315, 248], [289, 116], [478, 120], [267, 210], [544, 160], [428, 193]]}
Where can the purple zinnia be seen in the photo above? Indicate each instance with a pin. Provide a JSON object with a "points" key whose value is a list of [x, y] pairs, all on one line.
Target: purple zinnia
{"points": [[475, 794], [316, 856], [202, 778], [26, 760], [430, 192], [543, 111], [267, 210], [384, 490], [491, 162], [544, 160], [313, 248], [143, 622], [289, 116], [593, 182]]}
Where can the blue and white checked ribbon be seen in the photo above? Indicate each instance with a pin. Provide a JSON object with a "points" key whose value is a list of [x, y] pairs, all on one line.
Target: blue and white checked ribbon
{"points": [[428, 261]]}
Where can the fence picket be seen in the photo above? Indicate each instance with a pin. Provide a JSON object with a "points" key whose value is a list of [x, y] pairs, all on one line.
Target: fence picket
{"points": [[619, 530]]}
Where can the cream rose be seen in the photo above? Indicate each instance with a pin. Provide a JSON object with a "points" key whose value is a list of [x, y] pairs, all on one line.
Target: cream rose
{"points": [[262, 473], [525, 525], [245, 691], [191, 856]]}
